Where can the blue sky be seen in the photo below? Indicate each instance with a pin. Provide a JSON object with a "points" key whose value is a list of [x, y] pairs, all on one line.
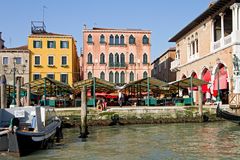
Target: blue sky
{"points": [[163, 18]]}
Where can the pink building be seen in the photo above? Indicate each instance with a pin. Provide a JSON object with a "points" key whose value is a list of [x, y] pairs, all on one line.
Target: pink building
{"points": [[208, 48], [116, 55]]}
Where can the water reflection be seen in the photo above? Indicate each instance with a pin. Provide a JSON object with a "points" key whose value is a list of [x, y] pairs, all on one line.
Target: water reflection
{"points": [[166, 141]]}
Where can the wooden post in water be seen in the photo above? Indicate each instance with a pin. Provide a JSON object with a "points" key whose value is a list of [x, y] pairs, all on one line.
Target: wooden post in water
{"points": [[83, 125], [3, 92], [29, 95], [18, 103], [200, 105]]}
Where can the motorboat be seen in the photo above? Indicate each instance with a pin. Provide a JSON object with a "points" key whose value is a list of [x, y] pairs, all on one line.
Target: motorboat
{"points": [[26, 129]]}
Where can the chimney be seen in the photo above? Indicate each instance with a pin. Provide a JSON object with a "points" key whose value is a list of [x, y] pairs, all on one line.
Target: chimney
{"points": [[212, 3], [0, 35]]}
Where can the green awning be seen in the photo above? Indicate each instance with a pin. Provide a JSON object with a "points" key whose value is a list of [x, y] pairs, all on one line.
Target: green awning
{"points": [[186, 83], [53, 87], [155, 85], [100, 85]]}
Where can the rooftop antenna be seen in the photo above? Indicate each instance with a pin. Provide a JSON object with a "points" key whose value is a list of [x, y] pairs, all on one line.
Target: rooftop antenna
{"points": [[44, 7], [95, 25]]}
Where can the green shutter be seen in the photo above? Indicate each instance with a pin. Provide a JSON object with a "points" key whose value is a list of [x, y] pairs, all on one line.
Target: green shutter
{"points": [[67, 44], [54, 44]]}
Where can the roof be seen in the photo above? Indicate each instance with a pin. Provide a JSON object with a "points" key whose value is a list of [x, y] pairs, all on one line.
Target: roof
{"points": [[25, 47], [170, 49], [186, 83], [49, 34], [117, 29], [52, 87], [207, 13], [101, 85], [155, 85]]}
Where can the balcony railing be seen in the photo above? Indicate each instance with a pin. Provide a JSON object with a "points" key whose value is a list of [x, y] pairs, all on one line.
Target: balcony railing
{"points": [[228, 39], [222, 43], [193, 57], [216, 45], [117, 65], [175, 64]]}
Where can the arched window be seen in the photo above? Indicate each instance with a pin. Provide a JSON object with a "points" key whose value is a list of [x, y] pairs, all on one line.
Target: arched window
{"points": [[131, 76], [102, 39], [122, 40], [116, 77], [117, 40], [122, 60], [117, 60], [111, 76], [131, 40], [145, 40], [122, 77], [145, 58], [111, 40], [102, 75], [90, 58], [90, 38], [89, 75], [111, 64], [145, 75], [102, 58], [131, 59]]}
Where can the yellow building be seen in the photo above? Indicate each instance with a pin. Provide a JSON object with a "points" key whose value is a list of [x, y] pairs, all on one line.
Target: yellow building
{"points": [[53, 56]]}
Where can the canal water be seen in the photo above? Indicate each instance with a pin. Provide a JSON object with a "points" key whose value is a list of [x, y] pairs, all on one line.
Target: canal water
{"points": [[220, 140]]}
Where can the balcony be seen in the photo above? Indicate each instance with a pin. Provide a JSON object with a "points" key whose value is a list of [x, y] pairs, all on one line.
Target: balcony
{"points": [[224, 42], [117, 65], [175, 64], [193, 57]]}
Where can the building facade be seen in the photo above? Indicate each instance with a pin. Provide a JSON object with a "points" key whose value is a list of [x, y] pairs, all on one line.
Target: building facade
{"points": [[161, 66], [53, 56], [19, 56], [1, 41], [116, 55], [208, 48]]}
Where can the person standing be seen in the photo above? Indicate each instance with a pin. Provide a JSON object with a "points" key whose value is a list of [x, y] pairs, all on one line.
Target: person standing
{"points": [[120, 98]]}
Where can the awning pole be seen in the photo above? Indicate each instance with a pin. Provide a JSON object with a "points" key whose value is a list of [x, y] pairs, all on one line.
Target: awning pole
{"points": [[45, 93], [191, 92], [148, 87], [94, 92]]}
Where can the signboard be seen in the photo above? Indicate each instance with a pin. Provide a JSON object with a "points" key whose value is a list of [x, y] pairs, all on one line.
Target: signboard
{"points": [[19, 113]]}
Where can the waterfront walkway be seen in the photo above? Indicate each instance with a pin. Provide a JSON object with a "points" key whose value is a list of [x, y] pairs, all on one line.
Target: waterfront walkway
{"points": [[124, 108]]}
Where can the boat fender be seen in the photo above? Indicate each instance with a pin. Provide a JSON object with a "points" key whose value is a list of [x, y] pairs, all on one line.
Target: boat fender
{"points": [[14, 124]]}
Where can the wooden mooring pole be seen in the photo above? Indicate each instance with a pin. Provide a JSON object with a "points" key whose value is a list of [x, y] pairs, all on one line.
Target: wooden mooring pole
{"points": [[29, 95], [18, 102], [3, 92], [83, 124]]}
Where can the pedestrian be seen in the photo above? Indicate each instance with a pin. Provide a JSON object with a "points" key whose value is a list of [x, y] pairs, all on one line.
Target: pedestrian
{"points": [[119, 98], [104, 104], [99, 105]]}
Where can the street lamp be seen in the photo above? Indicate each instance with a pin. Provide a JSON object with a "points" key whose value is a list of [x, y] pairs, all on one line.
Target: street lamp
{"points": [[14, 70]]}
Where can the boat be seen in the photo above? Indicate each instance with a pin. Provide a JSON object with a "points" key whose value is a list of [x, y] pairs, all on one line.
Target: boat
{"points": [[227, 115], [27, 129]]}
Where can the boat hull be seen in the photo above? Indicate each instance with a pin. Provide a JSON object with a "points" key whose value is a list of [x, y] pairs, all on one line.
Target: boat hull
{"points": [[227, 115], [21, 144], [4, 142]]}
